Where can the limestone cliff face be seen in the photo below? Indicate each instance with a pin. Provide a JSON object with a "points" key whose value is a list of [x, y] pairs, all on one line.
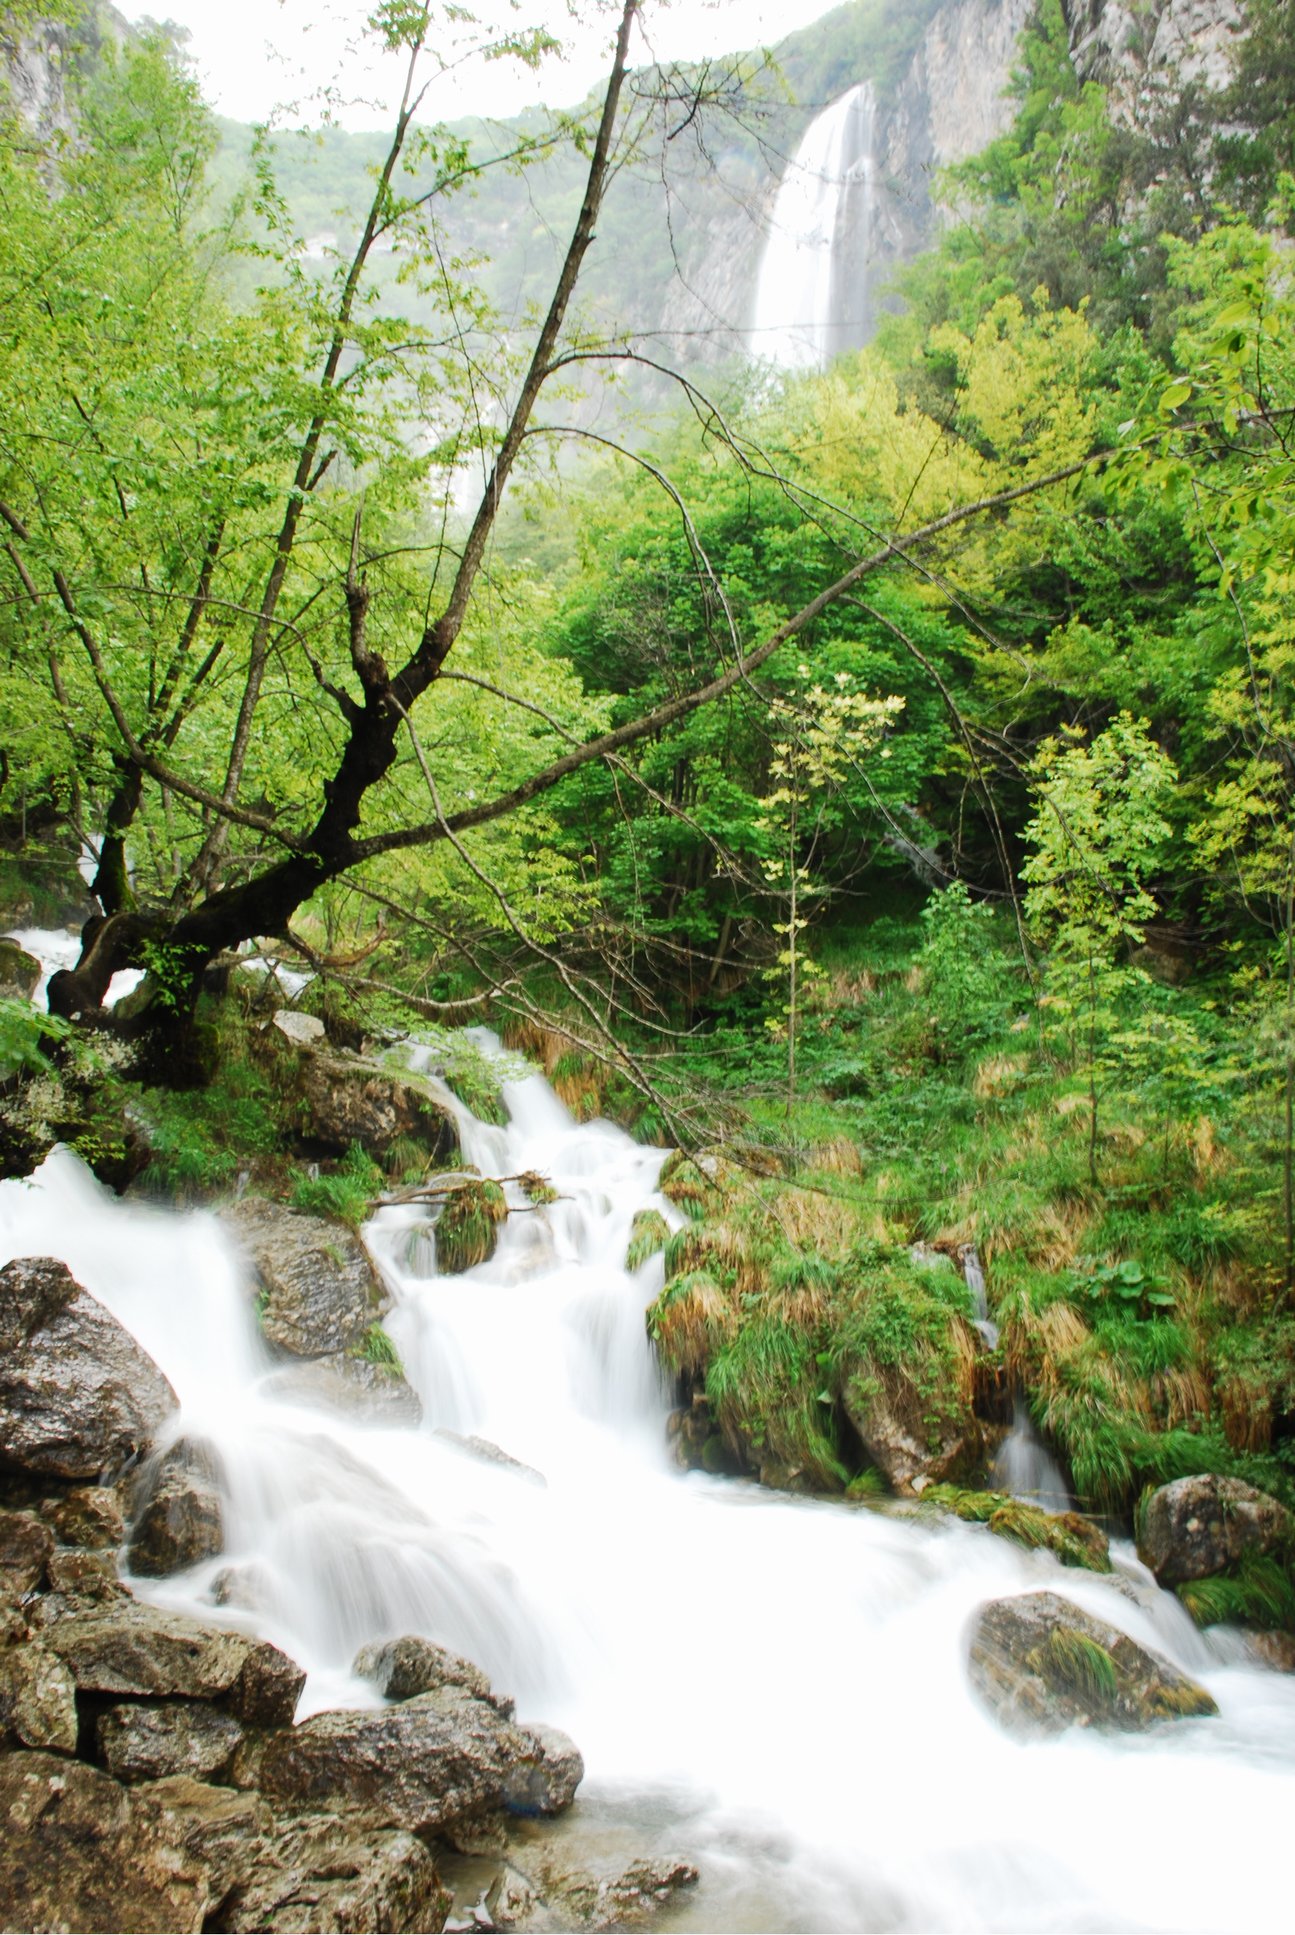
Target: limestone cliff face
{"points": [[1120, 44], [38, 68]]}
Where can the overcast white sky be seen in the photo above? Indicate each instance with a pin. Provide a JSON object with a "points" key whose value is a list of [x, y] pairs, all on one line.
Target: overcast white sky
{"points": [[253, 55]]}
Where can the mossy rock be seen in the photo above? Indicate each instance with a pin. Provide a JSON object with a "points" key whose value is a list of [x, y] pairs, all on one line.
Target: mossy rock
{"points": [[649, 1234], [1069, 1536], [467, 1229], [1042, 1664], [691, 1319]]}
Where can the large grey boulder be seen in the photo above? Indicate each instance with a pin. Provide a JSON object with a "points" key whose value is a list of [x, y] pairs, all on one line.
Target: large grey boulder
{"points": [[434, 1761], [318, 1292], [180, 1518], [80, 1854], [78, 1397], [139, 1742], [374, 1393], [139, 1652], [1042, 1664], [1200, 1526]]}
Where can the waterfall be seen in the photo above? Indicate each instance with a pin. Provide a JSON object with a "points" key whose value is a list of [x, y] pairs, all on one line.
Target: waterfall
{"points": [[773, 1687], [812, 285]]}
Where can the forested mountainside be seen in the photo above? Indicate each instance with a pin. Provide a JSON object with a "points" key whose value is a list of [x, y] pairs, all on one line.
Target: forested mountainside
{"points": [[867, 777]]}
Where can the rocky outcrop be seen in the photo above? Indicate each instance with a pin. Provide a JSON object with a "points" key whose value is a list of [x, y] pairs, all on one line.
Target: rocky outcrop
{"points": [[317, 1291], [1198, 1527], [910, 1443], [80, 1853], [435, 1762], [1042, 1664], [78, 1397], [180, 1518], [1123, 45], [143, 1653], [342, 1099], [139, 1742]]}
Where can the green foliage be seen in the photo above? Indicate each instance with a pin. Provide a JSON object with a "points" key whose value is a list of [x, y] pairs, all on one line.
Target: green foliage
{"points": [[347, 1191], [1259, 1591], [1076, 1661], [649, 1234], [202, 1140], [764, 1388], [376, 1347], [467, 1225], [26, 1037]]}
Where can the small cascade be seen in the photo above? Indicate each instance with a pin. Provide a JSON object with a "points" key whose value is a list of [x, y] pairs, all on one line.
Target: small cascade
{"points": [[974, 1277], [718, 1652], [809, 305], [1026, 1469]]}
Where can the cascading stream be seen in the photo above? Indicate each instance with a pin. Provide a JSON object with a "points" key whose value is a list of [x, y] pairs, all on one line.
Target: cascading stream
{"points": [[774, 1687], [806, 307]]}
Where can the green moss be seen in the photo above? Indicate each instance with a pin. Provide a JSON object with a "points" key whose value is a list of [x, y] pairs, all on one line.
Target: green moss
{"points": [[649, 1234], [203, 1139], [467, 1227], [1071, 1538]]}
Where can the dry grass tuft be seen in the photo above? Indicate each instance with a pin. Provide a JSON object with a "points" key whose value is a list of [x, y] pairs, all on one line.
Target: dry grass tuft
{"points": [[839, 1157], [997, 1074], [691, 1319]]}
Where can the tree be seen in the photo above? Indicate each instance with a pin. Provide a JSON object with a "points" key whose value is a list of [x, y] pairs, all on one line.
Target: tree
{"points": [[237, 582], [1097, 835]]}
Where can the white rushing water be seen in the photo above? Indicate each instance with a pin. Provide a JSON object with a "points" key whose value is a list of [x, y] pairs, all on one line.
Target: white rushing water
{"points": [[775, 1688], [804, 309]]}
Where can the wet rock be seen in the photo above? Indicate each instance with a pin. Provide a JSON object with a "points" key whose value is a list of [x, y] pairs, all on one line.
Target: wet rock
{"points": [[1069, 1536], [78, 1397], [894, 1421], [1041, 1664], [85, 1577], [401, 1669], [25, 1548], [344, 1099], [180, 1517], [37, 1699], [20, 971], [487, 1452], [312, 1873], [140, 1742], [244, 1586], [571, 1896], [429, 1763], [545, 1782], [79, 1854], [1197, 1527], [88, 1516], [318, 1291], [352, 1385], [142, 1653]]}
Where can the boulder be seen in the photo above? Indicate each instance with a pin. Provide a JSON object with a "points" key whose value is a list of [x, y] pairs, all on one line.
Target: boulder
{"points": [[1197, 1527], [88, 1516], [37, 1699], [578, 1897], [318, 1291], [431, 1762], [1041, 1664], [80, 1854], [20, 971], [300, 1029], [139, 1742], [401, 1669], [376, 1393], [78, 1397], [25, 1548], [143, 1653], [180, 1518], [314, 1872], [344, 1099], [86, 1577], [910, 1446]]}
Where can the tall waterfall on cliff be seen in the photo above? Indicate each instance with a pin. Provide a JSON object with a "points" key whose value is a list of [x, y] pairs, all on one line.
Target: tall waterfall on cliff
{"points": [[812, 287], [773, 1687]]}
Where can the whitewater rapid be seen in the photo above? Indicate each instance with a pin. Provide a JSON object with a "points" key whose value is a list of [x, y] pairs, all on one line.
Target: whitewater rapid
{"points": [[772, 1687]]}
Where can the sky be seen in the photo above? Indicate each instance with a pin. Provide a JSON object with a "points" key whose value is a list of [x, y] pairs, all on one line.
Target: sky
{"points": [[255, 55]]}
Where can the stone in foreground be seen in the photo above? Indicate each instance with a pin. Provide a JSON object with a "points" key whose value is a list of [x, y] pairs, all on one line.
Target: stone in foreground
{"points": [[181, 1518], [319, 1292], [138, 1652], [1041, 1664]]}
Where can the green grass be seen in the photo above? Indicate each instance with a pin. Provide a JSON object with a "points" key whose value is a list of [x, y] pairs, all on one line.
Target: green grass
{"points": [[347, 1191], [649, 1234], [467, 1228]]}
